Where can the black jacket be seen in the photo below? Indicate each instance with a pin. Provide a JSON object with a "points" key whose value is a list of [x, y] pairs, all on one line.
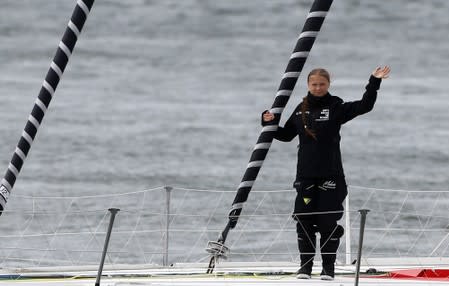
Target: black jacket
{"points": [[321, 158]]}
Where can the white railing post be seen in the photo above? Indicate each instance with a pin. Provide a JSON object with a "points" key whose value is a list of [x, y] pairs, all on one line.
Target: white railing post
{"points": [[168, 190], [347, 231]]}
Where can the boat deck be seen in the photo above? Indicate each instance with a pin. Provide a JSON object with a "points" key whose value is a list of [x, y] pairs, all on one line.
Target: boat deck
{"points": [[267, 274], [188, 281]]}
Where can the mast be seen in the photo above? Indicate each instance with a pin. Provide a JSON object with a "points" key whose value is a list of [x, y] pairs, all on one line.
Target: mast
{"points": [[54, 74]]}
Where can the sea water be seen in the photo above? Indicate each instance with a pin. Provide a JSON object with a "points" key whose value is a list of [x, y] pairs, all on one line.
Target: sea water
{"points": [[163, 93]]}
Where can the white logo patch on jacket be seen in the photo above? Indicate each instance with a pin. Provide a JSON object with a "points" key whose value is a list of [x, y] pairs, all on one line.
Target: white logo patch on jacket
{"points": [[328, 185], [324, 115]]}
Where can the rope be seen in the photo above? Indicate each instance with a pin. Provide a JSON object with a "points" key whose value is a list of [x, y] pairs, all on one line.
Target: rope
{"points": [[73, 234]]}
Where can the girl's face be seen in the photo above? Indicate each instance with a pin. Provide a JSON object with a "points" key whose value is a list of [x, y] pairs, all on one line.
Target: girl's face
{"points": [[318, 85]]}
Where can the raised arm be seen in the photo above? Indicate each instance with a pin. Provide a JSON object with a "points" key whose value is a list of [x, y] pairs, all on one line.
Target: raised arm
{"points": [[382, 73], [350, 110]]}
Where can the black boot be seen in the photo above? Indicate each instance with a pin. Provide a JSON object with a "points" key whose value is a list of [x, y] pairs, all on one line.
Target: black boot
{"points": [[328, 272], [329, 243], [306, 244]]}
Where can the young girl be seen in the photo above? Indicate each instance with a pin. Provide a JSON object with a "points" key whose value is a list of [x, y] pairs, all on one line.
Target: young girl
{"points": [[320, 181]]}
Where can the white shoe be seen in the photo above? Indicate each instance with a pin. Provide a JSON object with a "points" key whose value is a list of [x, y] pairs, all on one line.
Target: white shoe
{"points": [[303, 276], [326, 277]]}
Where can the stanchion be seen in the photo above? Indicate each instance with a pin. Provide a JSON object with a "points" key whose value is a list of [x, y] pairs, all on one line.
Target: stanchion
{"points": [[106, 243], [168, 190], [363, 214]]}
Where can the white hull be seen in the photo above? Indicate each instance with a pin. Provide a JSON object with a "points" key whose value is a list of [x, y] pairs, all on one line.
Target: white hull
{"points": [[189, 274]]}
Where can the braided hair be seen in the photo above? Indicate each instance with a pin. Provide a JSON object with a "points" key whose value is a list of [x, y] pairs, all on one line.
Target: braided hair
{"points": [[305, 103]]}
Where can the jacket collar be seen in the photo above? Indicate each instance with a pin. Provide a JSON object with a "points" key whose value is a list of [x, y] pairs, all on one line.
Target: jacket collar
{"points": [[317, 101]]}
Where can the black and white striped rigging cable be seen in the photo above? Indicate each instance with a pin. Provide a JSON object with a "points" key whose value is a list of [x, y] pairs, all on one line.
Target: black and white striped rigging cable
{"points": [[296, 62], [54, 74]]}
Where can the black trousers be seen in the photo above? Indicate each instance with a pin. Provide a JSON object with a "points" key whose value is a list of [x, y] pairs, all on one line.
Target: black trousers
{"points": [[318, 207]]}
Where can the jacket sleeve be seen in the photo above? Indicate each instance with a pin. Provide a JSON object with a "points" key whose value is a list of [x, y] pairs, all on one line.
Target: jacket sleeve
{"points": [[349, 110], [286, 133]]}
